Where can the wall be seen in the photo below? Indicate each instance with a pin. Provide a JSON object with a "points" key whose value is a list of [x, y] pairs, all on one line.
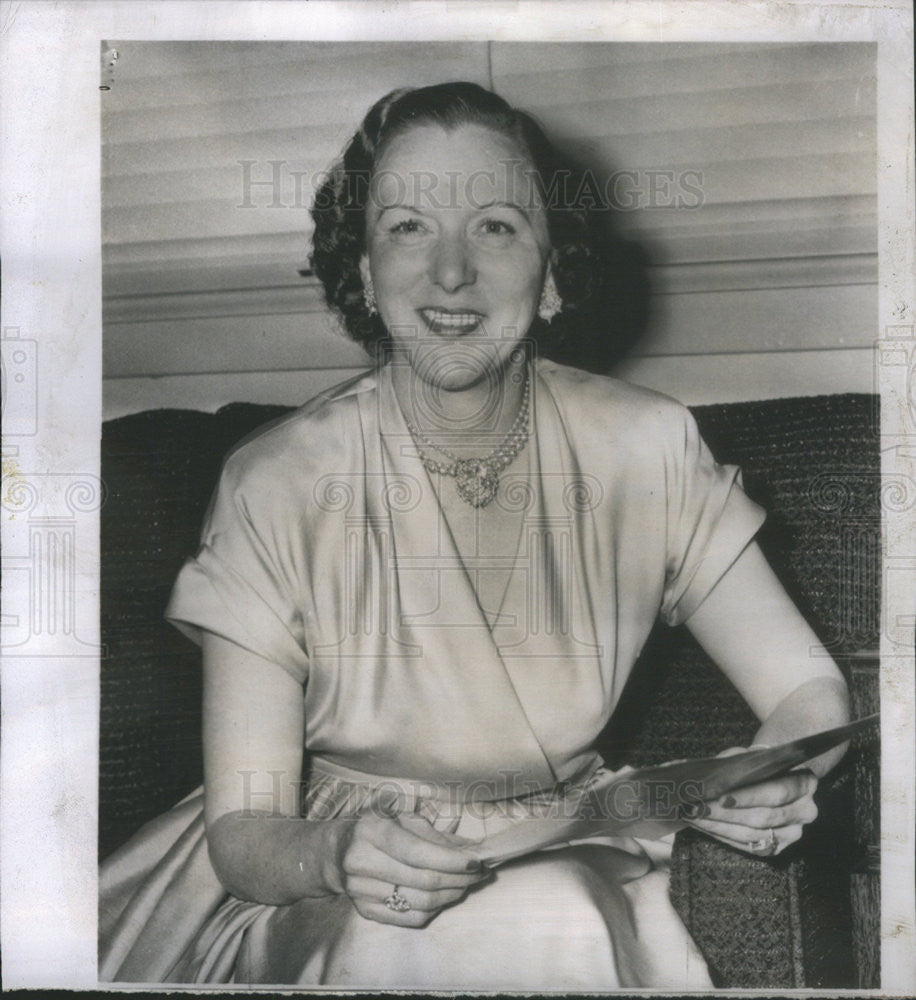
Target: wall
{"points": [[746, 171]]}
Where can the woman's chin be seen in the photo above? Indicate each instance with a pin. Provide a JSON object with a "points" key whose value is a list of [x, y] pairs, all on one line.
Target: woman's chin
{"points": [[456, 381], [458, 365]]}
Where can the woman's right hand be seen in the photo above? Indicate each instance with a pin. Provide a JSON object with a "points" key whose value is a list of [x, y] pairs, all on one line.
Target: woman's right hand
{"points": [[431, 869]]}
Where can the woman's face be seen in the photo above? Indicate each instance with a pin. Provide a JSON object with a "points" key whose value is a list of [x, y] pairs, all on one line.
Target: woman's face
{"points": [[457, 247]]}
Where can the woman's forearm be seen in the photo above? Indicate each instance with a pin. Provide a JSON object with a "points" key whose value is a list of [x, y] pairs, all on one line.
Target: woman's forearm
{"points": [[277, 859], [820, 703]]}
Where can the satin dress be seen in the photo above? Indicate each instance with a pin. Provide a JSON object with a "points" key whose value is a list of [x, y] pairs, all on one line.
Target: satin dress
{"points": [[463, 683]]}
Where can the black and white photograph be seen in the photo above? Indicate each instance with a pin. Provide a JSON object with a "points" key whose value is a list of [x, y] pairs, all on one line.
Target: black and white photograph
{"points": [[497, 460]]}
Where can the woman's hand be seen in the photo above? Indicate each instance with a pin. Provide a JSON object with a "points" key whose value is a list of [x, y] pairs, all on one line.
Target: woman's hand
{"points": [[761, 819], [430, 869]]}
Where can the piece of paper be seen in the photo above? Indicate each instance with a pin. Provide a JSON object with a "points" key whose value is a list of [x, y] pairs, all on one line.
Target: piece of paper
{"points": [[648, 802]]}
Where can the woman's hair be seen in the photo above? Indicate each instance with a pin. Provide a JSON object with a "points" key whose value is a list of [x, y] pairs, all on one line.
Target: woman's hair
{"points": [[339, 210]]}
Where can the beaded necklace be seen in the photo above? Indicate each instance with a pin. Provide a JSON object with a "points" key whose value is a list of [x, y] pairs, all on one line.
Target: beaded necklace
{"points": [[477, 479]]}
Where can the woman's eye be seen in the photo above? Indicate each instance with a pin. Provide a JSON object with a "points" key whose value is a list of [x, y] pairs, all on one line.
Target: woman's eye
{"points": [[407, 227], [497, 227]]}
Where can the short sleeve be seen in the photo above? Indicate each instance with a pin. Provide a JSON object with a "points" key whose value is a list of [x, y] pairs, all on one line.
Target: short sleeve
{"points": [[239, 585], [711, 520]]}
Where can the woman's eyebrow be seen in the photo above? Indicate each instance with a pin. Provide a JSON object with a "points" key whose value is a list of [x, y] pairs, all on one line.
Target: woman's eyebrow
{"points": [[400, 205], [504, 204]]}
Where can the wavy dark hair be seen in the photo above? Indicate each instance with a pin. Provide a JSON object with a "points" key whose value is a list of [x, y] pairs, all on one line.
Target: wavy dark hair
{"points": [[339, 211]]}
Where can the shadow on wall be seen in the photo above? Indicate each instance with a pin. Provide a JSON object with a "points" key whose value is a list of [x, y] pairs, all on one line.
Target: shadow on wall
{"points": [[600, 333]]}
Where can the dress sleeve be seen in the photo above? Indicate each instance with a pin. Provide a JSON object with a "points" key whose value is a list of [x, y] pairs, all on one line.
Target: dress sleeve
{"points": [[711, 520], [239, 585]]}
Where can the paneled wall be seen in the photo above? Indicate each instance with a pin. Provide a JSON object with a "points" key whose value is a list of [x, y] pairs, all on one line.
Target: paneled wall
{"points": [[746, 171]]}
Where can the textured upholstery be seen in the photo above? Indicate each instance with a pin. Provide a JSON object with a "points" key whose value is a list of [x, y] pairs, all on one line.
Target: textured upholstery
{"points": [[812, 462]]}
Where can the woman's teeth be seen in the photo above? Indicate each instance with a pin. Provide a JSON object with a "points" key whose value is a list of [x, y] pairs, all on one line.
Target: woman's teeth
{"points": [[451, 320]]}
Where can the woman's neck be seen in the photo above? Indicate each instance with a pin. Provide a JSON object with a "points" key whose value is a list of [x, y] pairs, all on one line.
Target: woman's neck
{"points": [[469, 421]]}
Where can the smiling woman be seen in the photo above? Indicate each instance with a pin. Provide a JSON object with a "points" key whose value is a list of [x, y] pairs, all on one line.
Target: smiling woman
{"points": [[457, 282], [452, 654]]}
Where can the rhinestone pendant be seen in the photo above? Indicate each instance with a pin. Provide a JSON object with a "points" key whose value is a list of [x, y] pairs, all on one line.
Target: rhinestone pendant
{"points": [[476, 481]]}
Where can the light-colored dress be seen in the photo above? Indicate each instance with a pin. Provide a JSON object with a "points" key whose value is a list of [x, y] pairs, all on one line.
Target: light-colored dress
{"points": [[326, 551]]}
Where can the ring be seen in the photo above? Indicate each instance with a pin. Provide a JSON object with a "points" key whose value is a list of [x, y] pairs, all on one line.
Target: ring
{"points": [[396, 901], [765, 845]]}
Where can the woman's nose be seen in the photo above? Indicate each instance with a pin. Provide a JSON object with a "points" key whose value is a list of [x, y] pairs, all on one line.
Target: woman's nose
{"points": [[452, 265]]}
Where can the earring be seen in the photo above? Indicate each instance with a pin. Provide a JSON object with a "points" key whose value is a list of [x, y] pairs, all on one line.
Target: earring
{"points": [[369, 295], [550, 303]]}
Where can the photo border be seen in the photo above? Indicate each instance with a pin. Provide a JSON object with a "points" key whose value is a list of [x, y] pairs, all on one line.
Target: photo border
{"points": [[52, 269]]}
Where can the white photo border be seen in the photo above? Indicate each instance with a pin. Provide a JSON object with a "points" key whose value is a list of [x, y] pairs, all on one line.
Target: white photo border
{"points": [[50, 239]]}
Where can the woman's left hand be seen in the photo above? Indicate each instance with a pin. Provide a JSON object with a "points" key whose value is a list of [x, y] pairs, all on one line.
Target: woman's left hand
{"points": [[761, 819]]}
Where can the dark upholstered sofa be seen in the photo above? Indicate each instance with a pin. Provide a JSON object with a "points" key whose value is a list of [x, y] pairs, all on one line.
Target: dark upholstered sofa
{"points": [[806, 918]]}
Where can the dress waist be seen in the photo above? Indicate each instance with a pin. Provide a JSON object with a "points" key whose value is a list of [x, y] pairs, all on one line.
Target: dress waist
{"points": [[336, 790], [503, 786]]}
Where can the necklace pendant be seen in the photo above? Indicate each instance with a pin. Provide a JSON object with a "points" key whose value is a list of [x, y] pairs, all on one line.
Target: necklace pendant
{"points": [[476, 481]]}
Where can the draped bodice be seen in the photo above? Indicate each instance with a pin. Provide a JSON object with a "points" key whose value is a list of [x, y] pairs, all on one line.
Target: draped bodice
{"points": [[326, 550]]}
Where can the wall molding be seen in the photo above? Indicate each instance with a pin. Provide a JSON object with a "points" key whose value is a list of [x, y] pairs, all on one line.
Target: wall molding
{"points": [[306, 294], [821, 271]]}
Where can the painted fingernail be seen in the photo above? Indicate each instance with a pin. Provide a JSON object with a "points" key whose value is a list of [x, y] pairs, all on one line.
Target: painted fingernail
{"points": [[473, 865], [728, 802], [690, 810]]}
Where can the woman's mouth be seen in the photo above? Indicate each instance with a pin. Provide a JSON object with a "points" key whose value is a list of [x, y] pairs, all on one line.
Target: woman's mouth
{"points": [[451, 321]]}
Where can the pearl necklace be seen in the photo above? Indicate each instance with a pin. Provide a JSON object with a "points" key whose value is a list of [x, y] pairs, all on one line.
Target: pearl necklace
{"points": [[477, 479]]}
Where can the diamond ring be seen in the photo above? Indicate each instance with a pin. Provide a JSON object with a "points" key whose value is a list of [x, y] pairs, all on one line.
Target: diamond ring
{"points": [[396, 901]]}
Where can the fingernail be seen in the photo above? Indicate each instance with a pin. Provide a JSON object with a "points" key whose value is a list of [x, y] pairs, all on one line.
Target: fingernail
{"points": [[728, 802], [690, 810], [473, 865]]}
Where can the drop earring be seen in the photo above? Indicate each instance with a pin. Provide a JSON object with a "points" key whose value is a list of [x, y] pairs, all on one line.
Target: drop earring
{"points": [[369, 295], [550, 303]]}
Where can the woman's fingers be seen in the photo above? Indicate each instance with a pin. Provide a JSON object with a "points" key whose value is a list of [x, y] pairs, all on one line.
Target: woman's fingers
{"points": [[388, 856], [372, 909], [760, 843], [384, 868], [761, 817], [741, 835], [416, 907], [384, 851], [428, 901], [781, 801], [423, 828], [402, 843], [768, 803], [775, 792]]}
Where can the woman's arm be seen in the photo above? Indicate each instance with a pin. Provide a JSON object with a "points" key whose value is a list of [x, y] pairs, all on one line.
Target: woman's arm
{"points": [[253, 723], [753, 631], [253, 728]]}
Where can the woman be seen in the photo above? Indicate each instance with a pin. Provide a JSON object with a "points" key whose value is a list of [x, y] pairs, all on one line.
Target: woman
{"points": [[442, 573]]}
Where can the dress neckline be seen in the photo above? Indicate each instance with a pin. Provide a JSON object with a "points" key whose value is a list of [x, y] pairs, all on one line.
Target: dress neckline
{"points": [[504, 516]]}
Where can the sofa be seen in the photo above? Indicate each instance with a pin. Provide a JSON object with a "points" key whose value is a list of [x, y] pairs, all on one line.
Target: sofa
{"points": [[807, 918]]}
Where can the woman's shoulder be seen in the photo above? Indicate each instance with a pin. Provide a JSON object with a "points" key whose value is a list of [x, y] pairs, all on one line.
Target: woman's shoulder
{"points": [[323, 431], [611, 406]]}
